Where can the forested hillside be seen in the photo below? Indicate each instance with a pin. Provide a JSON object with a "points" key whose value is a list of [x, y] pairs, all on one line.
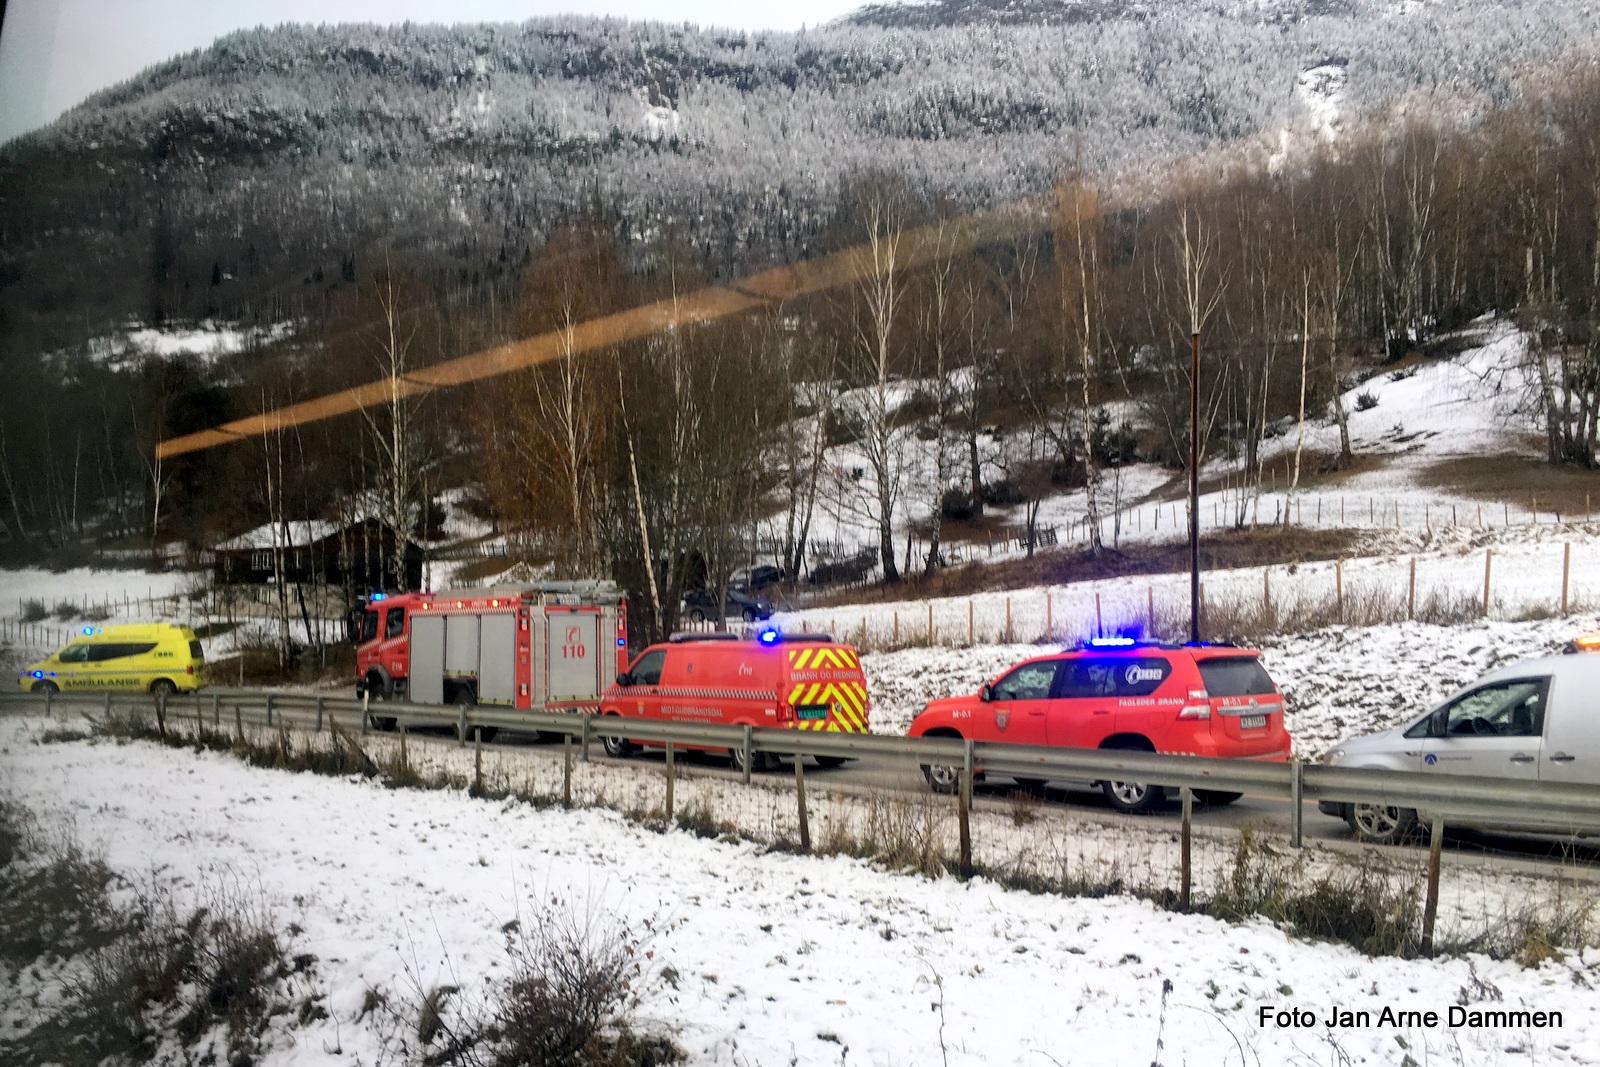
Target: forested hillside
{"points": [[1356, 182]]}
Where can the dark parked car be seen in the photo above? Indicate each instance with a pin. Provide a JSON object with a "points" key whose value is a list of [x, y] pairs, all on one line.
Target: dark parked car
{"points": [[762, 576], [701, 604]]}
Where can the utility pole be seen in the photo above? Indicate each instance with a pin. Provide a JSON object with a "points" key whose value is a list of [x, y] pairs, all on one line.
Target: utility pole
{"points": [[1194, 488]]}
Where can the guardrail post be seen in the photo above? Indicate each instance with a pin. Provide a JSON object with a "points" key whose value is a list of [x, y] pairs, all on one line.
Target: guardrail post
{"points": [[269, 711], [108, 705], [1186, 875], [671, 774], [1297, 771], [405, 763], [161, 717], [800, 801], [461, 728], [49, 700], [583, 753], [365, 699], [216, 711], [319, 714], [566, 770], [1430, 909], [238, 724], [748, 753]]}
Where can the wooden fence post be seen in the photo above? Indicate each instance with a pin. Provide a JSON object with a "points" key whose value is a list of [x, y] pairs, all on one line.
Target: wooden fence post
{"points": [[1150, 609], [1266, 595], [1186, 873], [1566, 574], [1411, 592], [930, 624], [671, 774], [1099, 622], [1338, 587], [800, 801], [964, 814], [1008, 620], [969, 622], [1049, 616], [566, 771], [1488, 563], [1430, 908]]}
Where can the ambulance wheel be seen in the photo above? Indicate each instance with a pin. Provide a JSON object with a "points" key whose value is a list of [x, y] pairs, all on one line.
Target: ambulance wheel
{"points": [[617, 747], [163, 688], [830, 762], [1381, 824], [46, 687]]}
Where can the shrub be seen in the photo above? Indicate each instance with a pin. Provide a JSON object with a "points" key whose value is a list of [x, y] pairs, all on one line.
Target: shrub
{"points": [[34, 611], [66, 610], [1365, 401]]}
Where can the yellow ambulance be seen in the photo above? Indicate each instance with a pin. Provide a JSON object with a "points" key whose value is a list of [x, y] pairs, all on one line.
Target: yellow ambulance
{"points": [[155, 657]]}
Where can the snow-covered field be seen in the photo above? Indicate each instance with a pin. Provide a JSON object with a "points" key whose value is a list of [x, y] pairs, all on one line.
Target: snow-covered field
{"points": [[774, 958]]}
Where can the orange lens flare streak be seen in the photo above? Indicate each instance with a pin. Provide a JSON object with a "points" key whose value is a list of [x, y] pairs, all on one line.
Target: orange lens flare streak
{"points": [[913, 248]]}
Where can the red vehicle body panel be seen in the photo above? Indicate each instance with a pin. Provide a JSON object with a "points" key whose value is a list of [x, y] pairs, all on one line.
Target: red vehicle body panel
{"points": [[1121, 697]]}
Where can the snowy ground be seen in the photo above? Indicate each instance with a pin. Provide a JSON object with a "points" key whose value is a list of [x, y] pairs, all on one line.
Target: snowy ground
{"points": [[775, 958]]}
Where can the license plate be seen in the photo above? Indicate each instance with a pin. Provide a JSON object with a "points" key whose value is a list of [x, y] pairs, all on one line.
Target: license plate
{"points": [[1252, 722], [812, 713]]}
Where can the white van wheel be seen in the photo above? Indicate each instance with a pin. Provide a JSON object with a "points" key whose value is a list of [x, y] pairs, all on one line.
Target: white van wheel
{"points": [[1381, 824]]}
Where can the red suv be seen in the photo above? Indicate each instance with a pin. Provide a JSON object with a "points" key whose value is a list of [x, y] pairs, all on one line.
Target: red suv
{"points": [[1194, 700]]}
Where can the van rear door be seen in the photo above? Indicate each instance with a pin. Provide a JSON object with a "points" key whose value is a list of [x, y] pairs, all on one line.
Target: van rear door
{"points": [[824, 686], [1571, 751]]}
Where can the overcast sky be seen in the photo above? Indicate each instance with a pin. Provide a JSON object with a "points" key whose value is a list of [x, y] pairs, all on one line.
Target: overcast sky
{"points": [[53, 53]]}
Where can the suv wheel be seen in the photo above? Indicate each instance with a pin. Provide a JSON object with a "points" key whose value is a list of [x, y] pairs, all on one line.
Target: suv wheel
{"points": [[1133, 798], [1381, 824], [943, 777]]}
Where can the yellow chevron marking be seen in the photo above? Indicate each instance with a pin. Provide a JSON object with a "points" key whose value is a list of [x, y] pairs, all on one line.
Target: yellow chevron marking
{"points": [[799, 661]]}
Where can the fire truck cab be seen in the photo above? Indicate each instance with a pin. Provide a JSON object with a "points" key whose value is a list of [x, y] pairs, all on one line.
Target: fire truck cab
{"points": [[548, 647]]}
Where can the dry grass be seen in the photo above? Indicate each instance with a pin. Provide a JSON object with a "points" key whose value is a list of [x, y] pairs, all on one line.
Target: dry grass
{"points": [[1521, 480]]}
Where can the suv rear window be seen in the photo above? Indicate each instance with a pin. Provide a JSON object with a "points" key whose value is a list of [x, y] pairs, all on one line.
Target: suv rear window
{"points": [[1241, 677]]}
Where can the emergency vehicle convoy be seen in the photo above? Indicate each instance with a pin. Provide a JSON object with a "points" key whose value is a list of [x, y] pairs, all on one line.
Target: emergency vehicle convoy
{"points": [[799, 681], [1194, 700], [547, 647]]}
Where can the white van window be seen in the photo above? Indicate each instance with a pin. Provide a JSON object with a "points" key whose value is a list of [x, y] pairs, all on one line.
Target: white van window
{"points": [[1503, 709]]}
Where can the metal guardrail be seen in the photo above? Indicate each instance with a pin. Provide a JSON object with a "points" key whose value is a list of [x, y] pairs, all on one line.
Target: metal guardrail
{"points": [[1561, 807], [1437, 798]]}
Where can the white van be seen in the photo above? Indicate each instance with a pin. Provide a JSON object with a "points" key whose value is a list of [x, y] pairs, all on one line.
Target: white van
{"points": [[1534, 721]]}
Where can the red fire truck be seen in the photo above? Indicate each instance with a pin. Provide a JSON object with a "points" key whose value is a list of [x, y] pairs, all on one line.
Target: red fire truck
{"points": [[549, 647]]}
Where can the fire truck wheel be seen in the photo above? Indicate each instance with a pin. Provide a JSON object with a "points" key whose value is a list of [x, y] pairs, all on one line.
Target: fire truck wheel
{"points": [[830, 762], [618, 747]]}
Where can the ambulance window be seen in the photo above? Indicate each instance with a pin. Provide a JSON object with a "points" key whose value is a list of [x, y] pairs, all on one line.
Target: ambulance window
{"points": [[647, 671], [369, 625], [1031, 681], [394, 623], [118, 650], [195, 651], [74, 654]]}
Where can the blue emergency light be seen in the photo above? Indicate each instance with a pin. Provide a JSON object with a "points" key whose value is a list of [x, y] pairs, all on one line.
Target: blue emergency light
{"points": [[768, 637], [377, 596], [1112, 642]]}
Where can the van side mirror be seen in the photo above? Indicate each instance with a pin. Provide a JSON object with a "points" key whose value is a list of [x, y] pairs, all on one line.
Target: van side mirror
{"points": [[986, 694], [624, 679], [1440, 720]]}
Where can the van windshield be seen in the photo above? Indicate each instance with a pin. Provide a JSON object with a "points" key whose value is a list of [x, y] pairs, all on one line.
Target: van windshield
{"points": [[1241, 677]]}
